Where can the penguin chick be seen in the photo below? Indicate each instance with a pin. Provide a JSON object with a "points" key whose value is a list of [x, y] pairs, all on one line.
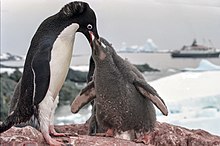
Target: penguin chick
{"points": [[46, 66], [122, 98]]}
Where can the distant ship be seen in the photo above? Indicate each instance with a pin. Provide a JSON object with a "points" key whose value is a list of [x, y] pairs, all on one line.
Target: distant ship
{"points": [[196, 51]]}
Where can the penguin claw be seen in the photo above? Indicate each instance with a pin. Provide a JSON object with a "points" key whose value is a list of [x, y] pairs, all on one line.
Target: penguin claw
{"points": [[108, 133], [51, 141], [54, 133], [143, 139], [58, 134], [99, 134]]}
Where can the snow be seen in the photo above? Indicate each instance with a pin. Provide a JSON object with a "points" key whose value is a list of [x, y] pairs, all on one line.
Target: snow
{"points": [[9, 56], [9, 70], [192, 98], [188, 85], [4, 56], [84, 68], [64, 116]]}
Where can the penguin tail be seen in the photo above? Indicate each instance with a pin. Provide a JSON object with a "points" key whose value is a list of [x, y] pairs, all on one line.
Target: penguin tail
{"points": [[7, 124], [15, 117]]}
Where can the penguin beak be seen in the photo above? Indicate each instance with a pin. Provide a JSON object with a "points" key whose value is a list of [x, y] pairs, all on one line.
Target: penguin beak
{"points": [[98, 49], [92, 38]]}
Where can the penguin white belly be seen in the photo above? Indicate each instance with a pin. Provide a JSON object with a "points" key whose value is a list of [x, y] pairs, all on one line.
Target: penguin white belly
{"points": [[61, 55]]}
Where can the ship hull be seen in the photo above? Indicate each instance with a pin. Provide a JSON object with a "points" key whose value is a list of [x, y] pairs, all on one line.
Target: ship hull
{"points": [[195, 55]]}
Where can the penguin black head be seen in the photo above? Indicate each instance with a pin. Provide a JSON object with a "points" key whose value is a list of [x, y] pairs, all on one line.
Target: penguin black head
{"points": [[81, 13]]}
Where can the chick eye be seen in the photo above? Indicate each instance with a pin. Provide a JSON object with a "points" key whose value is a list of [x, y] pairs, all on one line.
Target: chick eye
{"points": [[89, 26]]}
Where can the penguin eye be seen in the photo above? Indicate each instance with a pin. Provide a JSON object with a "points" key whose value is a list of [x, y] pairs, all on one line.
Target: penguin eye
{"points": [[89, 26]]}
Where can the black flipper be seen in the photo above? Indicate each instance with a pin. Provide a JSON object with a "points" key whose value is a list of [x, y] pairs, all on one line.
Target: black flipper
{"points": [[86, 95], [149, 92]]}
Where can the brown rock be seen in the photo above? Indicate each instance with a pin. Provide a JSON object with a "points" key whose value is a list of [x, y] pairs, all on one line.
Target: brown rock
{"points": [[22, 136], [163, 135], [167, 134]]}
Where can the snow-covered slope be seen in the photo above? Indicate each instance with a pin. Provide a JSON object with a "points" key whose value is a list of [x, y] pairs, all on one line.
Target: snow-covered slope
{"points": [[9, 57], [193, 99]]}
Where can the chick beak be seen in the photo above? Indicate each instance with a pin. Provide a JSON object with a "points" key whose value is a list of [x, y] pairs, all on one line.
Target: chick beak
{"points": [[92, 37]]}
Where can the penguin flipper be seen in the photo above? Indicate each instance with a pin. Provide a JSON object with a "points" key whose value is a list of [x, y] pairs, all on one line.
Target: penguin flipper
{"points": [[86, 95], [41, 70], [149, 92]]}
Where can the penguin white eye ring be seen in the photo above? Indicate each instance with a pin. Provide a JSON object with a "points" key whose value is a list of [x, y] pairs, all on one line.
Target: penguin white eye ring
{"points": [[89, 26]]}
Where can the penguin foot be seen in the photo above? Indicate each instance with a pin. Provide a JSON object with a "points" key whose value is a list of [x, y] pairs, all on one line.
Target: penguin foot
{"points": [[98, 134], [143, 138], [54, 133], [51, 141], [108, 133]]}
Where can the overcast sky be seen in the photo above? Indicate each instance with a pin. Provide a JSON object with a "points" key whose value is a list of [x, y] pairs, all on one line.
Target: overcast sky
{"points": [[169, 23]]}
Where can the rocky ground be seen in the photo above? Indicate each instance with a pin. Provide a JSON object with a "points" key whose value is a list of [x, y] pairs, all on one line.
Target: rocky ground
{"points": [[163, 135]]}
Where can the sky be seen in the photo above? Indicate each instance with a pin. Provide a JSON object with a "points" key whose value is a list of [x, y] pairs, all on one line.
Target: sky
{"points": [[169, 23]]}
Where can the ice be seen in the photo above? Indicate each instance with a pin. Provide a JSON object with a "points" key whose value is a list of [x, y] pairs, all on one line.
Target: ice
{"points": [[64, 116], [204, 65], [188, 85], [149, 46], [84, 68], [9, 56], [193, 99], [4, 56], [7, 70]]}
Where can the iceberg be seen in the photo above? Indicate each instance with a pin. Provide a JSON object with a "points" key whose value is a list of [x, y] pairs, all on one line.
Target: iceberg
{"points": [[149, 46], [204, 65]]}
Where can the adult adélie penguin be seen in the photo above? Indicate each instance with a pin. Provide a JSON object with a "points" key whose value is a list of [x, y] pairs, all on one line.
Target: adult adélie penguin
{"points": [[46, 66]]}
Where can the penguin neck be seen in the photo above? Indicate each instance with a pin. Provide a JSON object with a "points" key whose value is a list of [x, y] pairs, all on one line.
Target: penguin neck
{"points": [[61, 55]]}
